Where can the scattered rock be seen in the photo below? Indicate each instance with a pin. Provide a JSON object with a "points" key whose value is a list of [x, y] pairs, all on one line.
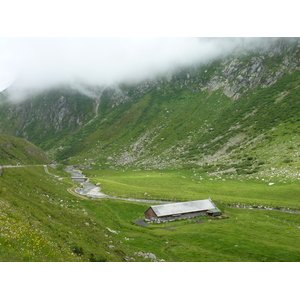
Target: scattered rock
{"points": [[127, 258], [149, 255], [112, 231]]}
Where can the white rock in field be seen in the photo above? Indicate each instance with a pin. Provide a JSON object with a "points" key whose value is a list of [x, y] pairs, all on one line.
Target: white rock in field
{"points": [[112, 231], [152, 256], [271, 183]]}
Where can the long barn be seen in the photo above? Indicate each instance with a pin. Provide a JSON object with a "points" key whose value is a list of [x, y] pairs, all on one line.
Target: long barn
{"points": [[181, 210]]}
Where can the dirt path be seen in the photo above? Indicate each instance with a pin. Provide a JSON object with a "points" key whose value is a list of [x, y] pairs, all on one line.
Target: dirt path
{"points": [[71, 191], [46, 170]]}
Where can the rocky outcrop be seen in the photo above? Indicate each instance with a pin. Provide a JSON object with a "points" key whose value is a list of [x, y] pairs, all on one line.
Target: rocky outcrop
{"points": [[237, 73], [263, 69], [150, 256]]}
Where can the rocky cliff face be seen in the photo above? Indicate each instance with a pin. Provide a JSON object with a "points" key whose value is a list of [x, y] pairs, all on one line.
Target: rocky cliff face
{"points": [[52, 113], [262, 70], [234, 74]]}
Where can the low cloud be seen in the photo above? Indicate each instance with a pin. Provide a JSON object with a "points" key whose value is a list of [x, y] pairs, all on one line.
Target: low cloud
{"points": [[39, 63]]}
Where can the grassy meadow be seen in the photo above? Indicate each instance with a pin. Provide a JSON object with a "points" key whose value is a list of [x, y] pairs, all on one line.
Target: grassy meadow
{"points": [[187, 185], [41, 221], [241, 235]]}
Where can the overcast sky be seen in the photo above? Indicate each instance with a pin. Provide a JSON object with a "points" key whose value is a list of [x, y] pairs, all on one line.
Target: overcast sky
{"points": [[43, 62]]}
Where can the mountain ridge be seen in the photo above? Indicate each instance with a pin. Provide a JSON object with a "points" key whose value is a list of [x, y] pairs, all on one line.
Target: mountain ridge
{"points": [[216, 115]]}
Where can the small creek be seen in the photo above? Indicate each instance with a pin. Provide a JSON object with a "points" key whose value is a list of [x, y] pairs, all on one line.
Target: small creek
{"points": [[265, 208], [93, 191]]}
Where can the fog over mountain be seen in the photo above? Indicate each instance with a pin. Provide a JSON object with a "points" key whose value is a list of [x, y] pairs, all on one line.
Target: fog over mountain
{"points": [[39, 63]]}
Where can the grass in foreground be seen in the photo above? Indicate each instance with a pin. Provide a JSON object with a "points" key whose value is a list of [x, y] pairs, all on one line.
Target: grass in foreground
{"points": [[243, 235], [41, 221]]}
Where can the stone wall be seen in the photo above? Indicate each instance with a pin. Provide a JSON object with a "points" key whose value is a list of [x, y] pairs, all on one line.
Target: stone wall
{"points": [[178, 217]]}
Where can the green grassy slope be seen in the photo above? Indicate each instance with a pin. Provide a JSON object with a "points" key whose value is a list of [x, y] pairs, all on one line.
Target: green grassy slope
{"points": [[188, 119], [240, 112], [256, 133], [41, 221], [15, 150]]}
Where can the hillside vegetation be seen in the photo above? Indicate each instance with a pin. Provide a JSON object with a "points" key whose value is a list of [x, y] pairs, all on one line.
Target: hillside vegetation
{"points": [[41, 221], [15, 150], [240, 113]]}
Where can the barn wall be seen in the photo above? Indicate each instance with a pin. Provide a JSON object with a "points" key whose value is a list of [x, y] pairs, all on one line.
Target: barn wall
{"points": [[178, 217], [150, 214]]}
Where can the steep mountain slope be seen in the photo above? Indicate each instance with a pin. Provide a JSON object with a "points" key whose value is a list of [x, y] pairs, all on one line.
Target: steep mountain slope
{"points": [[48, 117], [239, 114], [41, 221], [15, 150]]}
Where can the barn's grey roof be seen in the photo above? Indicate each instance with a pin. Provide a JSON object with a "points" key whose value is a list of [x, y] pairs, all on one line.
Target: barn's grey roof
{"points": [[183, 207]]}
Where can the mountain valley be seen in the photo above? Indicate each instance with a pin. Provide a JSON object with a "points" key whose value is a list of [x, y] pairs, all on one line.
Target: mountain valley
{"points": [[226, 129], [240, 112]]}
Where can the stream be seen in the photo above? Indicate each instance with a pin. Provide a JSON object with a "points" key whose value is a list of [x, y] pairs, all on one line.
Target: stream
{"points": [[265, 208], [93, 191]]}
